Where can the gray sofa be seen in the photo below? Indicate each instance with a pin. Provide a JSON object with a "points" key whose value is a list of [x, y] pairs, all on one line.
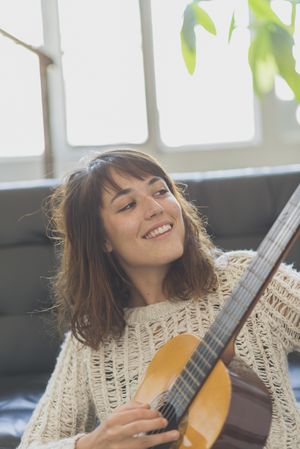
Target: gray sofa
{"points": [[240, 206]]}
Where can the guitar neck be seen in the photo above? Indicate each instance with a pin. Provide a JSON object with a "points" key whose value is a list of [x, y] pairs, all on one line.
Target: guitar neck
{"points": [[237, 308]]}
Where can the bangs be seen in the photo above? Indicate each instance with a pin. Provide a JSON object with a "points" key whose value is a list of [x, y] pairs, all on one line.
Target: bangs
{"points": [[130, 165]]}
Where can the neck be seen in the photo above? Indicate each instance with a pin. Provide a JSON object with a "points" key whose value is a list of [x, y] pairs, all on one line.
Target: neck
{"points": [[147, 287]]}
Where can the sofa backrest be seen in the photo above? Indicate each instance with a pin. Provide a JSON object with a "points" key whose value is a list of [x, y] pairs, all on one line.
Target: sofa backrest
{"points": [[27, 343], [240, 206]]}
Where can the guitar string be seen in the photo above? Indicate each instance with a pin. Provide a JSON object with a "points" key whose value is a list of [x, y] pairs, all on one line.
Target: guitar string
{"points": [[169, 411], [182, 389], [233, 314]]}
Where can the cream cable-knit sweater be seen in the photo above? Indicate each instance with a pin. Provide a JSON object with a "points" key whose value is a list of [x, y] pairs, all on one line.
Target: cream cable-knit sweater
{"points": [[87, 385]]}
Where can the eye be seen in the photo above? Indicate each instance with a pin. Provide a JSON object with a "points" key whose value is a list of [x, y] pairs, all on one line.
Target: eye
{"points": [[162, 191], [127, 207]]}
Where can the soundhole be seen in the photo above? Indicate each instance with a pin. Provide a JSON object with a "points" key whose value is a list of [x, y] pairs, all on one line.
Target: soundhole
{"points": [[168, 411]]}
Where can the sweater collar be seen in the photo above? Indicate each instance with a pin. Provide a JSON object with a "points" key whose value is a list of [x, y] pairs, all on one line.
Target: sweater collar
{"points": [[152, 312]]}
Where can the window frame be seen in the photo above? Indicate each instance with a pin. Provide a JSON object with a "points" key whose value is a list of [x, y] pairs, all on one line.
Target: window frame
{"points": [[63, 155], [154, 136]]}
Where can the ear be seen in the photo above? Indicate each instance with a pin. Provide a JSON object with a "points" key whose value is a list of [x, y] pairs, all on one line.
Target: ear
{"points": [[108, 246]]}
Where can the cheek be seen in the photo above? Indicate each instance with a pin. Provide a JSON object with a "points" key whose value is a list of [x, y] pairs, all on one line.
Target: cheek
{"points": [[119, 233], [181, 221], [176, 211]]}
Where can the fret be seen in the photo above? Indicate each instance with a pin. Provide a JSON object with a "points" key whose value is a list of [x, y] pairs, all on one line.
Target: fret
{"points": [[190, 388], [277, 239], [228, 310], [254, 269], [276, 243], [236, 306], [227, 313], [188, 373], [209, 347], [200, 358], [196, 365], [197, 353], [256, 275], [249, 292], [231, 308], [289, 226], [213, 338], [223, 326], [266, 260], [180, 392]]}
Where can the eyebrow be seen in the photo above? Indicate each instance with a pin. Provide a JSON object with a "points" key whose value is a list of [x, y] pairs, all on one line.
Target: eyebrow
{"points": [[129, 190]]}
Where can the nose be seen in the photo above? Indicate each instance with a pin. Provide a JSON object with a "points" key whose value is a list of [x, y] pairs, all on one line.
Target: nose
{"points": [[152, 208]]}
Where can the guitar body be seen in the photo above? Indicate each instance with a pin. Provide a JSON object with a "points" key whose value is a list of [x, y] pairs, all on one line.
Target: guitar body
{"points": [[232, 410]]}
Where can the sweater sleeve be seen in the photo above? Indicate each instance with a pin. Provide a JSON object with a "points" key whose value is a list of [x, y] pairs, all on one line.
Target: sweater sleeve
{"points": [[65, 411], [281, 298], [283, 305]]}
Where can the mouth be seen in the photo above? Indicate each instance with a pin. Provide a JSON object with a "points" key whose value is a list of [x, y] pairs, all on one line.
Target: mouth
{"points": [[161, 230]]}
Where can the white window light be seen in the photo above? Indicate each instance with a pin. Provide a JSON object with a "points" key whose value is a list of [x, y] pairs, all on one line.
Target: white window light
{"points": [[103, 72], [21, 122], [215, 104], [283, 10], [288, 109]]}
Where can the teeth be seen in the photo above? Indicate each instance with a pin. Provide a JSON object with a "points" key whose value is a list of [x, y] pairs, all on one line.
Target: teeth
{"points": [[158, 231]]}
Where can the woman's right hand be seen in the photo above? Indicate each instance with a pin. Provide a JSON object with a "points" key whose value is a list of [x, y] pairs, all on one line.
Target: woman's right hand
{"points": [[126, 428]]}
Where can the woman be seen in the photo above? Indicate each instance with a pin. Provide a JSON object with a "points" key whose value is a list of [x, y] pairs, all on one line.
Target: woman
{"points": [[137, 269]]}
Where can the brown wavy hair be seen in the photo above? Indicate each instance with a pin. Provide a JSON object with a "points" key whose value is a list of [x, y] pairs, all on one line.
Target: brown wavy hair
{"points": [[91, 289]]}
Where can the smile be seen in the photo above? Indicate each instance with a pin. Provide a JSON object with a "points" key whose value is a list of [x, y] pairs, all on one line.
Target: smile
{"points": [[158, 231]]}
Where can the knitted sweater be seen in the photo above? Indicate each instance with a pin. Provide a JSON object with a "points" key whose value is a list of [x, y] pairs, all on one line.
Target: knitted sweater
{"points": [[87, 384]]}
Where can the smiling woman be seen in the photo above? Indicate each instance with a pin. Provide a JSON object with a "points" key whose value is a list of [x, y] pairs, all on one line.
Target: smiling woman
{"points": [[105, 217], [137, 270]]}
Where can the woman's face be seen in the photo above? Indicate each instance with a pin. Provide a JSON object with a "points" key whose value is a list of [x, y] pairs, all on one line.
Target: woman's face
{"points": [[143, 223]]}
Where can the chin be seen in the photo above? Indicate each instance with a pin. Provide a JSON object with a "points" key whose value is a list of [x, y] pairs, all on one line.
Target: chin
{"points": [[173, 257]]}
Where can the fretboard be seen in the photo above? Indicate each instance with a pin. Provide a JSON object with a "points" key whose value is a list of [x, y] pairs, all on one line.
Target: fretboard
{"points": [[236, 309]]}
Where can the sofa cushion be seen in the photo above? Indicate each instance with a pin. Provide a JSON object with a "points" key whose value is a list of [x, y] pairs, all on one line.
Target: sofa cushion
{"points": [[18, 398]]}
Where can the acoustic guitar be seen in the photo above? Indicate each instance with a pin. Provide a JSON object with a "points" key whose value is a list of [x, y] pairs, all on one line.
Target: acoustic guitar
{"points": [[197, 385]]}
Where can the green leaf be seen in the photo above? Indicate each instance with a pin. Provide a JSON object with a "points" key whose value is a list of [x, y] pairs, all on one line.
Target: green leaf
{"points": [[262, 62], [263, 11], [188, 53], [193, 15], [202, 18], [188, 39], [293, 18], [187, 29], [282, 45], [232, 27]]}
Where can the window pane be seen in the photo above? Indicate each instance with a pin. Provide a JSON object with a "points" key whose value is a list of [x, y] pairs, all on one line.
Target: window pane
{"points": [[283, 10], [103, 71], [23, 19], [21, 125], [216, 103]]}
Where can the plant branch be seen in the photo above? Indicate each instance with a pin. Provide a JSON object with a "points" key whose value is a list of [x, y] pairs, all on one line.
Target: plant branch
{"points": [[41, 54]]}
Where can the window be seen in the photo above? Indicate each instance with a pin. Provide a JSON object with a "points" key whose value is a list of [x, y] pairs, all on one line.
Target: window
{"points": [[119, 78], [103, 72], [282, 90], [215, 104], [104, 79], [21, 121]]}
